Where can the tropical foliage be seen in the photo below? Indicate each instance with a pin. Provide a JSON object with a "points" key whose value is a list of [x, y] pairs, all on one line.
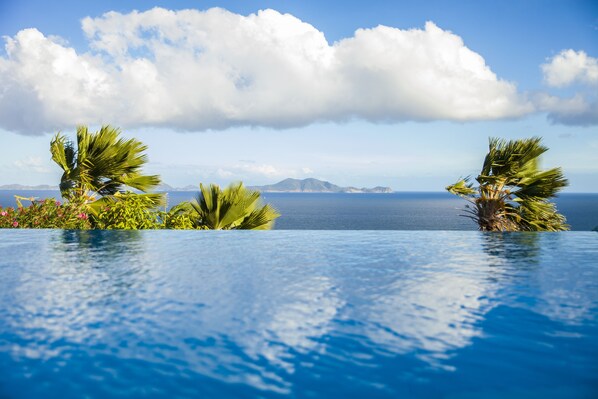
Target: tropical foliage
{"points": [[179, 217], [126, 211], [513, 193], [129, 211], [102, 163], [48, 213], [235, 207], [123, 211]]}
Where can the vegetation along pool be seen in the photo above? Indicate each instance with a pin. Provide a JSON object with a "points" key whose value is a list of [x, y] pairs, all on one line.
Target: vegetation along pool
{"points": [[343, 314]]}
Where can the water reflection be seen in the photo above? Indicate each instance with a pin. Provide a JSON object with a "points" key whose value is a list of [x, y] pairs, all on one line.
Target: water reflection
{"points": [[110, 243], [521, 247], [566, 283], [296, 324], [262, 310], [110, 264], [432, 300], [80, 284], [268, 310], [546, 277]]}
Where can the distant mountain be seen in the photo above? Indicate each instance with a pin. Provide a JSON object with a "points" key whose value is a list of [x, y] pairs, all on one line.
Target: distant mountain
{"points": [[286, 186], [166, 187], [25, 188], [315, 186], [162, 187]]}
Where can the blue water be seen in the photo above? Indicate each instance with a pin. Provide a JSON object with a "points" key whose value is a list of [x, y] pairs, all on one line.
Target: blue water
{"points": [[397, 211], [297, 314]]}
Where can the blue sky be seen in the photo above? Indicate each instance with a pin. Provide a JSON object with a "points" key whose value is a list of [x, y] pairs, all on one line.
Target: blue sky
{"points": [[407, 101]]}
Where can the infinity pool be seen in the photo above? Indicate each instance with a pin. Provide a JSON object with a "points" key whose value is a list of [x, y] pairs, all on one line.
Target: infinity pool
{"points": [[319, 314]]}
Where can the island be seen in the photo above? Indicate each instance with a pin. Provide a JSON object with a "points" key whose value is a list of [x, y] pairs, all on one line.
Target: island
{"points": [[312, 185]]}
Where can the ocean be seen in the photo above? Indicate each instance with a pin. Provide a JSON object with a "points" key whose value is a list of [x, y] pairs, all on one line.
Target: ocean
{"points": [[396, 211]]}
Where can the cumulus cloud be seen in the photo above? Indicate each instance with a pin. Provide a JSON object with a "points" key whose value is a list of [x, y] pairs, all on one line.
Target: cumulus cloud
{"points": [[576, 110], [32, 164], [570, 67], [248, 171], [565, 69], [254, 171], [197, 70]]}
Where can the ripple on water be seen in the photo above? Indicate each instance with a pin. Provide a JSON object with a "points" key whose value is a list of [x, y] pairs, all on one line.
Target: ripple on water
{"points": [[297, 313]]}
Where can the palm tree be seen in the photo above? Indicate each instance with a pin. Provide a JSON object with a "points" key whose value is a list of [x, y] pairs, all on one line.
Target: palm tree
{"points": [[512, 192], [235, 207], [101, 163]]}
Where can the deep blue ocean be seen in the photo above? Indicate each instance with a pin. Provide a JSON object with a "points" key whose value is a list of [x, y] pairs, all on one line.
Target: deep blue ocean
{"points": [[397, 211]]}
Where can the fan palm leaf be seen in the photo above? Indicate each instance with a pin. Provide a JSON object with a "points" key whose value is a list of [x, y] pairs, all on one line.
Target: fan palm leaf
{"points": [[102, 163], [513, 193], [235, 207]]}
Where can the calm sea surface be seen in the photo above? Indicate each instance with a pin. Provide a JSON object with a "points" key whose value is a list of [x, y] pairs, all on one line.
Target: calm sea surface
{"points": [[298, 314], [397, 211]]}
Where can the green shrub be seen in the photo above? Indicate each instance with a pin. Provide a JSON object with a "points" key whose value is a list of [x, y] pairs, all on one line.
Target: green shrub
{"points": [[178, 218], [45, 214], [130, 211], [126, 211]]}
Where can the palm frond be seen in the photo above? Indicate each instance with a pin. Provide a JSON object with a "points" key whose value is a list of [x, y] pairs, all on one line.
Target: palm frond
{"points": [[512, 192], [462, 188], [235, 207], [103, 163]]}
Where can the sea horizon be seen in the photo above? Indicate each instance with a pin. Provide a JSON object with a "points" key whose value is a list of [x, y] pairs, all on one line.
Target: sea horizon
{"points": [[403, 210]]}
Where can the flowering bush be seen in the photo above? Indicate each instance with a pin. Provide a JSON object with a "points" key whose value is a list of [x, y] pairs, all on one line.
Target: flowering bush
{"points": [[44, 214], [126, 211]]}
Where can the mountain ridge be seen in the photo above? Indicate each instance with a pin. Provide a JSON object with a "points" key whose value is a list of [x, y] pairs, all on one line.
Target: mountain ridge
{"points": [[312, 185], [40, 187], [289, 185]]}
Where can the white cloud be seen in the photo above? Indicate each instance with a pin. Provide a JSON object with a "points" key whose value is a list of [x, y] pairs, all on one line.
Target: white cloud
{"points": [[576, 110], [567, 68], [32, 164], [571, 66], [197, 70], [224, 174], [251, 171], [247, 170]]}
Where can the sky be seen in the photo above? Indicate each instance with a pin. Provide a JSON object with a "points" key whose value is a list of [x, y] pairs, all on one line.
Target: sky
{"points": [[402, 94]]}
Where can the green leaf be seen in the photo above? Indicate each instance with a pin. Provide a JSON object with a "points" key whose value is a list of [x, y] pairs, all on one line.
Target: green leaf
{"points": [[512, 192]]}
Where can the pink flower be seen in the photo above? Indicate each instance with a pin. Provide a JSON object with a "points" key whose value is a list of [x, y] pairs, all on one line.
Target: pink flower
{"points": [[3, 213], [57, 203], [82, 216], [15, 223]]}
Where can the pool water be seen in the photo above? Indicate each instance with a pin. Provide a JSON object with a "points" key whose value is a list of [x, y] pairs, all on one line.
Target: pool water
{"points": [[319, 314]]}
